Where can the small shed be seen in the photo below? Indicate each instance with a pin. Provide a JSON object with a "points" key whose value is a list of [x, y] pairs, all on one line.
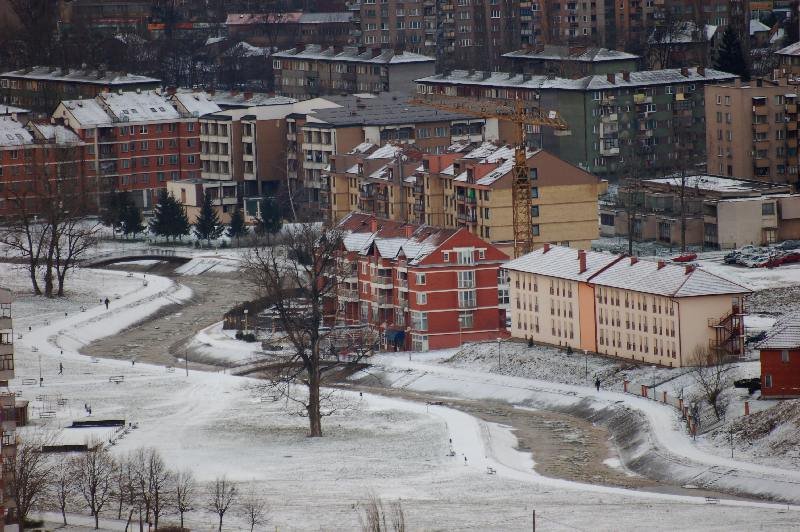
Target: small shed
{"points": [[780, 360]]}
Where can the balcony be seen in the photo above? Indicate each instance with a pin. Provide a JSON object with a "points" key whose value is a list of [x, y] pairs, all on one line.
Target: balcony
{"points": [[467, 303], [762, 127], [348, 295], [467, 217], [402, 284], [382, 281], [791, 109]]}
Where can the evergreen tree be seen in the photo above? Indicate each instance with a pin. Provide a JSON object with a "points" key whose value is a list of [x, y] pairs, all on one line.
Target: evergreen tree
{"points": [[132, 221], [237, 228], [163, 216], [181, 226], [730, 57], [207, 224], [270, 221], [115, 207]]}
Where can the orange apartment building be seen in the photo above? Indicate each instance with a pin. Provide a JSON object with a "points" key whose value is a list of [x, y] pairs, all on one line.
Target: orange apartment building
{"points": [[650, 312], [751, 130], [422, 287], [8, 442]]}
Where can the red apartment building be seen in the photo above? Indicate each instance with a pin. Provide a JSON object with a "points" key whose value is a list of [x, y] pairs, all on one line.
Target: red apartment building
{"points": [[780, 361], [422, 287], [136, 141]]}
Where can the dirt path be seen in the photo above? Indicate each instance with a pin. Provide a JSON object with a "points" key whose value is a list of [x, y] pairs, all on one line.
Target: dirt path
{"points": [[161, 338]]}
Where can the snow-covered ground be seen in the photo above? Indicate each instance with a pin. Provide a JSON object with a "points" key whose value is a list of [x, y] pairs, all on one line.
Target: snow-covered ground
{"points": [[220, 424]]}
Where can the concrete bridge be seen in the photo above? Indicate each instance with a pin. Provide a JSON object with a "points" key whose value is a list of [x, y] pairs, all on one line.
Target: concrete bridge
{"points": [[167, 255]]}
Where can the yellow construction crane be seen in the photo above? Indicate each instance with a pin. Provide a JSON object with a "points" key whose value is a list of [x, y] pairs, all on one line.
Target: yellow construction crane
{"points": [[521, 113]]}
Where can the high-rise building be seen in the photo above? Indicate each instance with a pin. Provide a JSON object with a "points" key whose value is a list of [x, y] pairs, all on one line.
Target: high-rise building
{"points": [[8, 440]]}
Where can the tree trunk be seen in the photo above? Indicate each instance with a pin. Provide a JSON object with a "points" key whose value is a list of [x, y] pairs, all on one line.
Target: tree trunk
{"points": [[96, 521], [48, 280], [63, 515], [314, 414], [181, 520], [61, 276], [220, 522], [36, 289]]}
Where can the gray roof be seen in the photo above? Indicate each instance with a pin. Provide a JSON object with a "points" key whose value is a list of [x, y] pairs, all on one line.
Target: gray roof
{"points": [[615, 271], [385, 109], [589, 83], [99, 77], [714, 183], [351, 54], [564, 53], [784, 335], [10, 109], [792, 49], [324, 18]]}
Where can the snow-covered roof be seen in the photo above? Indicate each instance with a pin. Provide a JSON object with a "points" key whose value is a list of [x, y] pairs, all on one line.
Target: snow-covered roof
{"points": [[684, 33], [10, 110], [56, 133], [351, 54], [588, 83], [561, 262], [792, 49], [714, 183], [87, 112], [565, 53], [196, 103], [670, 280], [364, 147], [12, 133], [757, 26], [387, 151], [777, 36], [95, 77], [138, 106], [325, 18], [616, 271], [215, 40], [243, 49], [784, 335], [247, 19]]}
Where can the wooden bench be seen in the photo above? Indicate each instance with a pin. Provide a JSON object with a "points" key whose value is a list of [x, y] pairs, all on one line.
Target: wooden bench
{"points": [[491, 471], [712, 500], [47, 413], [170, 369], [28, 382], [116, 379], [61, 402], [95, 360]]}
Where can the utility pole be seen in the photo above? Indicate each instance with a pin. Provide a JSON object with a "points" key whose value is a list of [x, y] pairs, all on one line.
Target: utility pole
{"points": [[533, 522]]}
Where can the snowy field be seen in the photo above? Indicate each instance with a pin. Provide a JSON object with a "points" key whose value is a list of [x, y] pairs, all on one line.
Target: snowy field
{"points": [[216, 424]]}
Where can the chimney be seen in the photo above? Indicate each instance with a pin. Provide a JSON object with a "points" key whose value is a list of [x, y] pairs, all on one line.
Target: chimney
{"points": [[689, 268], [300, 47], [373, 224], [171, 90], [611, 77], [248, 95], [582, 261], [546, 247], [409, 230], [685, 72], [634, 260], [661, 264], [626, 75], [701, 71]]}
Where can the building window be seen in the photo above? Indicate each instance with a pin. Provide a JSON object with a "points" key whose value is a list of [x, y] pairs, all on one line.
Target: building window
{"points": [[419, 342], [767, 209], [465, 320], [446, 256], [534, 211], [422, 298], [535, 229], [420, 278], [466, 279], [785, 355], [534, 192], [419, 321], [767, 381]]}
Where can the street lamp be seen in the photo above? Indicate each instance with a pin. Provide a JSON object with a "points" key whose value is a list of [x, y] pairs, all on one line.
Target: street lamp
{"points": [[498, 352], [246, 311], [586, 359]]}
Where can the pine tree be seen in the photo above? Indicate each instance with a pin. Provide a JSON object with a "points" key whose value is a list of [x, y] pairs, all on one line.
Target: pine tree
{"points": [[207, 225], [163, 216], [181, 227], [730, 57], [132, 221], [237, 228], [116, 205], [270, 221]]}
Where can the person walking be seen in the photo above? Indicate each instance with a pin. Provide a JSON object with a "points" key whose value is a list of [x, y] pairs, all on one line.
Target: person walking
{"points": [[106, 302], [597, 383], [60, 368]]}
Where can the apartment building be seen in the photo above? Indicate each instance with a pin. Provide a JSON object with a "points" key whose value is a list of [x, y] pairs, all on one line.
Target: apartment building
{"points": [[570, 61], [136, 141], [309, 71], [788, 61], [422, 287], [42, 88], [8, 441], [650, 312], [780, 360], [364, 119], [644, 114], [751, 130], [283, 30], [720, 212]]}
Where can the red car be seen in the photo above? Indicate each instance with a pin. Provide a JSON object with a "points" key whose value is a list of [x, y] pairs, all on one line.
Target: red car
{"points": [[688, 257]]}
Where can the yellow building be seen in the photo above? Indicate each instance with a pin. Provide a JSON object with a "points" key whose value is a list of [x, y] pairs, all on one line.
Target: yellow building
{"points": [[652, 312]]}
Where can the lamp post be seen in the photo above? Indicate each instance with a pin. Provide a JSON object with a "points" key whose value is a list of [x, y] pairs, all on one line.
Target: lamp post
{"points": [[586, 360], [246, 311], [498, 352]]}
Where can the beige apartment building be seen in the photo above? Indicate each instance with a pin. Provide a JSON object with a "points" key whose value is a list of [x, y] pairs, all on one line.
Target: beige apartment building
{"points": [[650, 312], [468, 187], [8, 441], [751, 130], [720, 212], [309, 71]]}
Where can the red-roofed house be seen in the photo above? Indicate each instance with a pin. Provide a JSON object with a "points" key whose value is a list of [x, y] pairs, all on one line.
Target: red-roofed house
{"points": [[423, 287], [780, 361]]}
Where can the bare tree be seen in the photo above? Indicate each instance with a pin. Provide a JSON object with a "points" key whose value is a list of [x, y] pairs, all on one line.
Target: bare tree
{"points": [[254, 509], [32, 472], [221, 497], [62, 490], [77, 236], [94, 478], [184, 491], [301, 276], [711, 374], [374, 517], [152, 482]]}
